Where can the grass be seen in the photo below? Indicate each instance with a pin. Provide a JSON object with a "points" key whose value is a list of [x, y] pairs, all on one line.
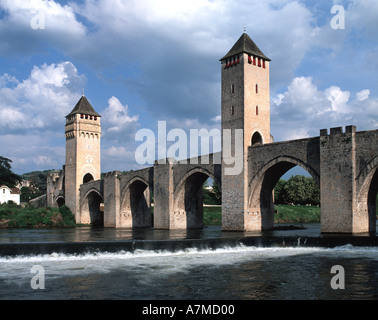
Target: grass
{"points": [[13, 216], [285, 214], [212, 216], [291, 214]]}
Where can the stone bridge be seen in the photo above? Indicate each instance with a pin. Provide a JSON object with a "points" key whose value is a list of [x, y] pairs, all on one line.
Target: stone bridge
{"points": [[342, 161], [176, 189]]}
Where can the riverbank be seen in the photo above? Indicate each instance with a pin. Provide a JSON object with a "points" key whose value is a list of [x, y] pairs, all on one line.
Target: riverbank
{"points": [[14, 216]]}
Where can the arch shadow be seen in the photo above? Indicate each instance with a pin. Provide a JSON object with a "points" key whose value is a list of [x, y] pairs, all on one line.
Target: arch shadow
{"points": [[188, 199], [91, 211], [366, 199], [135, 211], [60, 201]]}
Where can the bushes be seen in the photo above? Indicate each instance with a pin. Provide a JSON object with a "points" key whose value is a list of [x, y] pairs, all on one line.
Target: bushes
{"points": [[14, 216], [67, 215]]}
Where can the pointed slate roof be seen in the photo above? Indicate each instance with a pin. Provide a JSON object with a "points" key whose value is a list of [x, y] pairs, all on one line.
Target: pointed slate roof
{"points": [[245, 44], [84, 107]]}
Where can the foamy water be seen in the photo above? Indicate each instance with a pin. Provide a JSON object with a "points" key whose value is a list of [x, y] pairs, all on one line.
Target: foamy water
{"points": [[166, 262], [229, 273]]}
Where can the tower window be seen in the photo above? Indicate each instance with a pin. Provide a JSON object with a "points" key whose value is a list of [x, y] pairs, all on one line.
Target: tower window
{"points": [[254, 61], [232, 88], [263, 64], [232, 110], [259, 62], [257, 88], [249, 59], [257, 110]]}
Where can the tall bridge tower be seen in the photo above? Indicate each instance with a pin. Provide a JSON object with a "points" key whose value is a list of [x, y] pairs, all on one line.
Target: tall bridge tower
{"points": [[246, 113], [83, 157]]}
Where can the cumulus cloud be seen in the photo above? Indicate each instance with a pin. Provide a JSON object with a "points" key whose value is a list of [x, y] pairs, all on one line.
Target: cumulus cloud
{"points": [[304, 109], [117, 124], [18, 33], [363, 95], [163, 46], [32, 114], [42, 100]]}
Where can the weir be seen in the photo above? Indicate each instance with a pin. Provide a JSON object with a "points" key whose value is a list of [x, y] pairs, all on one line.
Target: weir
{"points": [[155, 240]]}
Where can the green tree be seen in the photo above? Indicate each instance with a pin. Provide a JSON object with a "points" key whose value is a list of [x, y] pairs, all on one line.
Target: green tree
{"points": [[211, 195], [217, 193], [278, 192], [298, 190], [7, 177]]}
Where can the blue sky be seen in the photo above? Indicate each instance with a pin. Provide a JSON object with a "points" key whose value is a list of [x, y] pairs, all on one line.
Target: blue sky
{"points": [[140, 61]]}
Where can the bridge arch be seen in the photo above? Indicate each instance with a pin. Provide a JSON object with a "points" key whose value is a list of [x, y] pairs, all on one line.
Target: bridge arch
{"points": [[60, 201], [366, 198], [260, 202], [135, 211], [188, 199], [90, 212]]}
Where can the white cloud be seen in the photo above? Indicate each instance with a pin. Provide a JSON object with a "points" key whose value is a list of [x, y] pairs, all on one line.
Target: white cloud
{"points": [[304, 109], [42, 100], [118, 158], [117, 124], [34, 151], [362, 16], [363, 95], [338, 99], [61, 27]]}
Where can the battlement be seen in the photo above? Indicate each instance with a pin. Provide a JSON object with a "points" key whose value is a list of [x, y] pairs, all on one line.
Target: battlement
{"points": [[338, 130], [111, 174]]}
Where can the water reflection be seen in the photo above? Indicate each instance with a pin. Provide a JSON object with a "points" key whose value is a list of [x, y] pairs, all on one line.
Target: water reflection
{"points": [[85, 234]]}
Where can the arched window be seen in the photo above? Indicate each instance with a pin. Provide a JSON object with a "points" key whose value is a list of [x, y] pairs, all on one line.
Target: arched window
{"points": [[88, 177], [256, 139]]}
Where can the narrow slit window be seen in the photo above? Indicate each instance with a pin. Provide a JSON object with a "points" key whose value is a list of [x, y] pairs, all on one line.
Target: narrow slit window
{"points": [[232, 110], [257, 110], [257, 88], [232, 88]]}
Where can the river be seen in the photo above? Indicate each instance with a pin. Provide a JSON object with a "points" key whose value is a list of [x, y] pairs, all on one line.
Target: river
{"points": [[225, 272]]}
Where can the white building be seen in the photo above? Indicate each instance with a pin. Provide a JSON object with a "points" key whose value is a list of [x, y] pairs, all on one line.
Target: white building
{"points": [[7, 194]]}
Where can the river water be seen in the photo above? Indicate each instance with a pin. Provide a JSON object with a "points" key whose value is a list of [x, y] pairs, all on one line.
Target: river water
{"points": [[225, 273]]}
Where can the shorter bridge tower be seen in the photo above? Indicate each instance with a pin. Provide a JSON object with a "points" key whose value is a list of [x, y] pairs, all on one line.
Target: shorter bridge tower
{"points": [[83, 156]]}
